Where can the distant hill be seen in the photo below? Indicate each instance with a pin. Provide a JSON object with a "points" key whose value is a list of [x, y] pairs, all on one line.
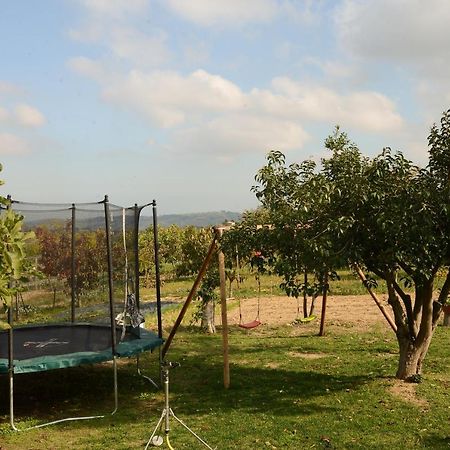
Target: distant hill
{"points": [[203, 219]]}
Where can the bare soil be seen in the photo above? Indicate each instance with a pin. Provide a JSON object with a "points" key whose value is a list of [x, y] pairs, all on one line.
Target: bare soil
{"points": [[407, 393], [356, 311]]}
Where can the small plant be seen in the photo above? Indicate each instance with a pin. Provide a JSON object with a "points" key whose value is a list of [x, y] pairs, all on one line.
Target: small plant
{"points": [[12, 253]]}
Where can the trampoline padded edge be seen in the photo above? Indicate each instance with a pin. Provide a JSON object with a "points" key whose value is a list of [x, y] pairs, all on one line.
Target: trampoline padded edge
{"points": [[147, 341]]}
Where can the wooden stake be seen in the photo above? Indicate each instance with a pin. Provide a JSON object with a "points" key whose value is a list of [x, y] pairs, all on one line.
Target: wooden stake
{"points": [[375, 298], [324, 305], [223, 304]]}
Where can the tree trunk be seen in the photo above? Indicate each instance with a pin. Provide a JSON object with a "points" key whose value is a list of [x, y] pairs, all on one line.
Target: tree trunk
{"points": [[414, 331], [447, 318], [208, 324], [411, 358]]}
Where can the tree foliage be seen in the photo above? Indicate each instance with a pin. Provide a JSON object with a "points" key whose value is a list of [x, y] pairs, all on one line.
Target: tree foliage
{"points": [[384, 213], [55, 256], [13, 264]]}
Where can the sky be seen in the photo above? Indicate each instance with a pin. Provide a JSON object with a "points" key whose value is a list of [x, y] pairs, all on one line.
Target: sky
{"points": [[181, 100]]}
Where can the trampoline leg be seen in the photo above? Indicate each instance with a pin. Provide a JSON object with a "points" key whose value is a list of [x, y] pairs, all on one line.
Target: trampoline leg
{"points": [[11, 399], [116, 389]]}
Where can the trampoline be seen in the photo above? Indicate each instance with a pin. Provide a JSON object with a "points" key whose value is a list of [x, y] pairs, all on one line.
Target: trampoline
{"points": [[45, 347], [77, 341]]}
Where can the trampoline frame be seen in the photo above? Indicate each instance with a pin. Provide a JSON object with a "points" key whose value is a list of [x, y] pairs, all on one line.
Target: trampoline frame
{"points": [[114, 355]]}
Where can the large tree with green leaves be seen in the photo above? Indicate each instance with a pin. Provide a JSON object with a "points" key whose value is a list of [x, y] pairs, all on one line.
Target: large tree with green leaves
{"points": [[384, 214]]}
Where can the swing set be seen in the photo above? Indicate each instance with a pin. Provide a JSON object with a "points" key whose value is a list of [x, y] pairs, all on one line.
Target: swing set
{"points": [[256, 322]]}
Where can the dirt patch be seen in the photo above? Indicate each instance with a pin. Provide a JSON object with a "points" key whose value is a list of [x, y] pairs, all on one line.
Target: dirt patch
{"points": [[407, 393], [307, 355], [272, 365], [358, 311]]}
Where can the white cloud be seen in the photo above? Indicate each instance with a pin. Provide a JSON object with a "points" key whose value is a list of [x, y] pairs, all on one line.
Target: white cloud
{"points": [[28, 116], [233, 13], [10, 89], [4, 115], [12, 145], [139, 48], [230, 12], [126, 43], [22, 115], [113, 25], [88, 68], [412, 36], [168, 98], [115, 8], [408, 30], [240, 133], [369, 111], [332, 69]]}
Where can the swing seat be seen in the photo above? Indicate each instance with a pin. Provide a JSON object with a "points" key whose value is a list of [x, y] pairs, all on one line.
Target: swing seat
{"points": [[250, 325], [307, 319], [304, 320]]}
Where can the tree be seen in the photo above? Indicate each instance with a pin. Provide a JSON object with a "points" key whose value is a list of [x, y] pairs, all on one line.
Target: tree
{"points": [[12, 252], [194, 248], [170, 241], [384, 214], [55, 256], [184, 249]]}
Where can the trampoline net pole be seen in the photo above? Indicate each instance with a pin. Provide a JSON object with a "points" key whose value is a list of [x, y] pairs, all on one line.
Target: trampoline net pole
{"points": [[11, 352], [157, 272], [110, 275], [11, 367], [136, 258], [73, 267]]}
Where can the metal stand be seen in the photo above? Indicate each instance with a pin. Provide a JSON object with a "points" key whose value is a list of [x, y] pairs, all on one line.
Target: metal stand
{"points": [[156, 440]]}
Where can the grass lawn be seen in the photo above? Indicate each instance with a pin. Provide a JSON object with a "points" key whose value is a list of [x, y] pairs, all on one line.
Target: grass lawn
{"points": [[289, 389]]}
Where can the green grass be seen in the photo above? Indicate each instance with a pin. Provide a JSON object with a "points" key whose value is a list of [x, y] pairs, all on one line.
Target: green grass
{"points": [[348, 284], [289, 389]]}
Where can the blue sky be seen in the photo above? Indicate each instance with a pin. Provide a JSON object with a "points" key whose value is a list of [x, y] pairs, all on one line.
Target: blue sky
{"points": [[181, 100]]}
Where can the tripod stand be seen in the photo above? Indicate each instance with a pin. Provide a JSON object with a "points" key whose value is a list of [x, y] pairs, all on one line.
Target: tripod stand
{"points": [[156, 440]]}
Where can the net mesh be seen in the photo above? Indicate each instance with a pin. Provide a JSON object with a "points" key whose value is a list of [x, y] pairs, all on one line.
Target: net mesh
{"points": [[69, 288]]}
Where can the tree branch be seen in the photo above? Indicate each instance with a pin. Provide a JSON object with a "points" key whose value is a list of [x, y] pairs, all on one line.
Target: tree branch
{"points": [[399, 313], [406, 267], [426, 324], [445, 291], [374, 297], [408, 307], [443, 295]]}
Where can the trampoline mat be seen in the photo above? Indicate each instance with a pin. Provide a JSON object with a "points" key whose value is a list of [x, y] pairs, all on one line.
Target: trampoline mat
{"points": [[45, 347]]}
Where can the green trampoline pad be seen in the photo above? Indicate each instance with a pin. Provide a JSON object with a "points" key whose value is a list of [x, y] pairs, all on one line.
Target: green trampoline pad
{"points": [[45, 347]]}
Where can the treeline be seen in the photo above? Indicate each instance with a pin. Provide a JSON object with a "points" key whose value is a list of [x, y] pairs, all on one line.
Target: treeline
{"points": [[181, 252]]}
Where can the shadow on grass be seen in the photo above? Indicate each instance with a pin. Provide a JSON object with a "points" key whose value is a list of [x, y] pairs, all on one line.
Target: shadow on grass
{"points": [[196, 388], [436, 442], [284, 388]]}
